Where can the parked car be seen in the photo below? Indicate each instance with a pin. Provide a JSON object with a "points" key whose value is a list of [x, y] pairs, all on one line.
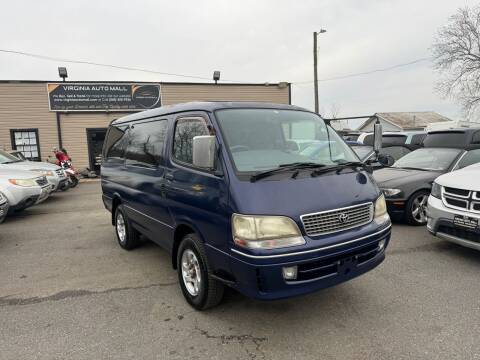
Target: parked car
{"points": [[4, 206], [18, 154], [414, 139], [23, 188], [407, 184], [54, 174], [391, 152], [454, 207], [217, 185]]}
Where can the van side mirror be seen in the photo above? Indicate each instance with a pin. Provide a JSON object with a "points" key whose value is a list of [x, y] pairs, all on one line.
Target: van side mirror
{"points": [[386, 160], [377, 137], [204, 151]]}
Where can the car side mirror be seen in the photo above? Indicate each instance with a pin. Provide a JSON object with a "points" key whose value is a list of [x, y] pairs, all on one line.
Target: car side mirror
{"points": [[377, 137], [386, 160], [204, 151]]}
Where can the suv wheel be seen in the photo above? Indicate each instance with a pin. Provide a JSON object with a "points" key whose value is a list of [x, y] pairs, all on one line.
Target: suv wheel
{"points": [[199, 289], [417, 208], [127, 236]]}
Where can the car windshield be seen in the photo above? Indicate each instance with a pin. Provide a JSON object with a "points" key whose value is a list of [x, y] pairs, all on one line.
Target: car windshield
{"points": [[263, 139], [438, 159], [362, 151], [6, 158]]}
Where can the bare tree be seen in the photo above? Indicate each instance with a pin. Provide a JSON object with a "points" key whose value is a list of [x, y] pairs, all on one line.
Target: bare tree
{"points": [[456, 53]]}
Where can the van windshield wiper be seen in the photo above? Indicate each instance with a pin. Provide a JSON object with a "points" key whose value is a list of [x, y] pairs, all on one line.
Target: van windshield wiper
{"points": [[285, 167], [339, 166]]}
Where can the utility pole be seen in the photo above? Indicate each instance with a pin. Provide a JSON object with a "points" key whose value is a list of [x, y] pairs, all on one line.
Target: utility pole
{"points": [[315, 67]]}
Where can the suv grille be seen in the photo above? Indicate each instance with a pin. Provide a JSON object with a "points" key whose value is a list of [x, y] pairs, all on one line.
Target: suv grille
{"points": [[461, 199], [327, 222], [460, 233], [42, 181], [60, 172]]}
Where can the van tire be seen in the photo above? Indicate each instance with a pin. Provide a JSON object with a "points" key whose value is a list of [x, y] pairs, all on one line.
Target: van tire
{"points": [[128, 238], [210, 291]]}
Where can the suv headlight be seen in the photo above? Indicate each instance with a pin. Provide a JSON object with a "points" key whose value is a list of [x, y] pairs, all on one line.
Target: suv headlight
{"points": [[436, 190], [23, 182], [265, 232], [43, 172], [391, 192]]}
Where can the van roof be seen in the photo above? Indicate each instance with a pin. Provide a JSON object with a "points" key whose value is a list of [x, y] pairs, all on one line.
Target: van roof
{"points": [[208, 106]]}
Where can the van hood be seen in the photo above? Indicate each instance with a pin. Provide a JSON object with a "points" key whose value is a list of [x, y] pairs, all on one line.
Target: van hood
{"points": [[466, 178], [398, 177], [281, 195]]}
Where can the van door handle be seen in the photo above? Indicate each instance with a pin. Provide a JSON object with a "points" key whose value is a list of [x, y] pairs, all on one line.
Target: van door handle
{"points": [[169, 176]]}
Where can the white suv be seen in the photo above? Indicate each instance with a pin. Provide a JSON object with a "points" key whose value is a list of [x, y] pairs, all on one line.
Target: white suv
{"points": [[54, 174], [23, 188], [454, 207]]}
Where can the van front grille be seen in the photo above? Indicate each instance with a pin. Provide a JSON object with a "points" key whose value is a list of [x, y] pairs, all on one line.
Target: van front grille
{"points": [[331, 221]]}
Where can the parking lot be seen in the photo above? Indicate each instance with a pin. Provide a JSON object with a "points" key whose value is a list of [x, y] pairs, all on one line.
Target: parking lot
{"points": [[67, 291]]}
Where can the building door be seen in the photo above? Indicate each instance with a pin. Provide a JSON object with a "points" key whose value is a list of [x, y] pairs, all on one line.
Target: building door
{"points": [[95, 139]]}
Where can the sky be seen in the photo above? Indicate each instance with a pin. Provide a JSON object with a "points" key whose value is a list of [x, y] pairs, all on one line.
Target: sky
{"points": [[250, 41]]}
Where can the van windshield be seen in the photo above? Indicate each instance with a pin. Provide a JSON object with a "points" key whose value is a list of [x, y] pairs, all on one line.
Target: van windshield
{"points": [[263, 139]]}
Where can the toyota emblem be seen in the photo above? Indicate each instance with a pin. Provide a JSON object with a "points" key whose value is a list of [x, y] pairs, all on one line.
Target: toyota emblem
{"points": [[343, 218]]}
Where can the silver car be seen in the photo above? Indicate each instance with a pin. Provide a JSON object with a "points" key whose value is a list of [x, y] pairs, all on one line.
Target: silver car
{"points": [[23, 188], [54, 174], [4, 206]]}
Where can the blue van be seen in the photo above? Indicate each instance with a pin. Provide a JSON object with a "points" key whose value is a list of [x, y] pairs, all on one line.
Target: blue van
{"points": [[226, 189]]}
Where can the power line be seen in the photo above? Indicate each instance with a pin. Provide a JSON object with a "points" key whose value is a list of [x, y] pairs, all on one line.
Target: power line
{"points": [[366, 72], [121, 67], [130, 68]]}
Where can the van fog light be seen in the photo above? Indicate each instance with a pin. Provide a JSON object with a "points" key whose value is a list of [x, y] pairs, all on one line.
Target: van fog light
{"points": [[381, 245], [290, 273]]}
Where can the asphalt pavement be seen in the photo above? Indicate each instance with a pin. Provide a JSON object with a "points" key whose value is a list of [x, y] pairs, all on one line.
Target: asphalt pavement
{"points": [[67, 291]]}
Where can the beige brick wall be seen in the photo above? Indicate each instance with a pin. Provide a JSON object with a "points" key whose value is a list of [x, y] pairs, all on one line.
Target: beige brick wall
{"points": [[25, 105], [180, 93], [74, 133]]}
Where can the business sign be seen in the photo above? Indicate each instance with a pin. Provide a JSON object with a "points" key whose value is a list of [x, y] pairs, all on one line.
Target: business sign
{"points": [[102, 96]]}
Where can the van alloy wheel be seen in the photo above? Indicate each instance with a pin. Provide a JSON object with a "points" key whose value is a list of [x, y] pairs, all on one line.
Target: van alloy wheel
{"points": [[121, 229], [419, 208], [191, 274]]}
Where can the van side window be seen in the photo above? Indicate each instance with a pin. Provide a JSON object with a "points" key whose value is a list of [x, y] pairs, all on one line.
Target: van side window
{"points": [[115, 142], [470, 158], [185, 131], [145, 143]]}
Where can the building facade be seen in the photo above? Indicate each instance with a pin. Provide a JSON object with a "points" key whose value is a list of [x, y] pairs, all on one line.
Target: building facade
{"points": [[37, 116]]}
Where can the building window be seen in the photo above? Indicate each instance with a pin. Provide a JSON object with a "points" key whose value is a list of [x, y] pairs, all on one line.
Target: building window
{"points": [[26, 141]]}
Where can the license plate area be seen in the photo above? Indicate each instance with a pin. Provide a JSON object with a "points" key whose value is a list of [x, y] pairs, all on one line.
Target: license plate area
{"points": [[465, 222]]}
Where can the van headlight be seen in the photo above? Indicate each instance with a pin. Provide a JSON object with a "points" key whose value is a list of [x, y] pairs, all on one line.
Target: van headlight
{"points": [[436, 190], [23, 182], [265, 232], [380, 207]]}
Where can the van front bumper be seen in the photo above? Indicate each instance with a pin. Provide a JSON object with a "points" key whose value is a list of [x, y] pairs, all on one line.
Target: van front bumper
{"points": [[261, 277], [441, 224]]}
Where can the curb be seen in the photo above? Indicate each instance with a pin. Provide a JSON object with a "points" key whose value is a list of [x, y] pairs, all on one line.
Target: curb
{"points": [[87, 180]]}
